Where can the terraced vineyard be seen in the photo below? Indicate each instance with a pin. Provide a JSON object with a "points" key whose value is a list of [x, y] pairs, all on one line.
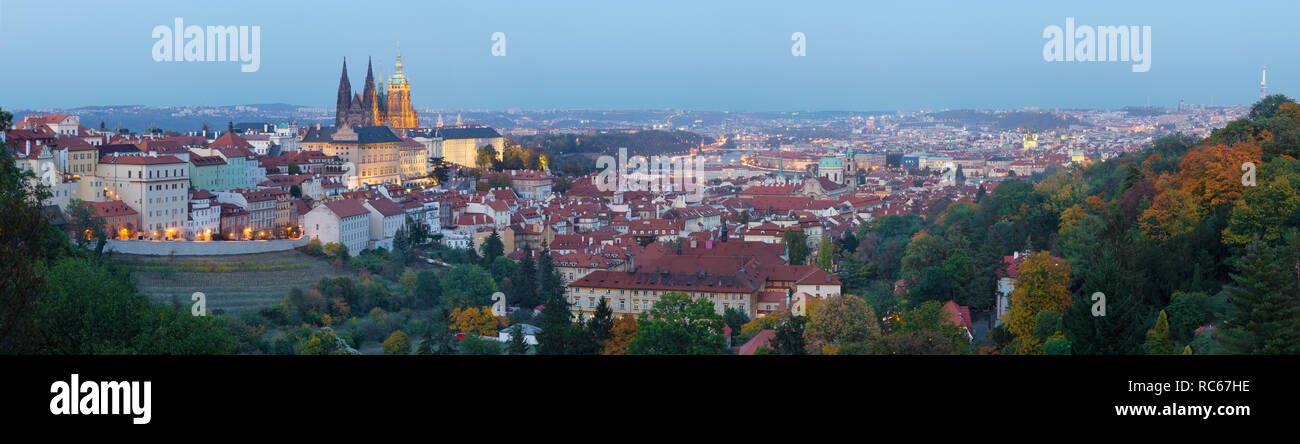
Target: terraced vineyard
{"points": [[231, 283]]}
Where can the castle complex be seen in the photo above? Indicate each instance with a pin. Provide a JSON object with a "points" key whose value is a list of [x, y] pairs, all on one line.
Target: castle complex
{"points": [[373, 107]]}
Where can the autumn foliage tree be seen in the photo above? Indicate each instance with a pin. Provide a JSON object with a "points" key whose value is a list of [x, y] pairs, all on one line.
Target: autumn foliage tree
{"points": [[397, 344], [476, 321], [1209, 178], [620, 335], [1041, 285], [841, 324]]}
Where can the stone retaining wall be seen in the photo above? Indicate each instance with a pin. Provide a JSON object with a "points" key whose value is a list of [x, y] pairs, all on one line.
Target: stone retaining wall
{"points": [[207, 248]]}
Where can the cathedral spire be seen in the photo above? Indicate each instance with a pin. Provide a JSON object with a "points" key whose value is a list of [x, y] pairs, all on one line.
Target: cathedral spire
{"points": [[344, 97], [399, 76], [397, 108], [370, 99]]}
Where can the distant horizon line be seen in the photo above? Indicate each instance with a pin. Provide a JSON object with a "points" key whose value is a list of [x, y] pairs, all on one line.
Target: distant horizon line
{"points": [[482, 110]]}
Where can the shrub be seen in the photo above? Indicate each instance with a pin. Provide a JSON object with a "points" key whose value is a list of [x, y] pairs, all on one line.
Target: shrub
{"points": [[397, 344], [474, 345], [314, 249]]}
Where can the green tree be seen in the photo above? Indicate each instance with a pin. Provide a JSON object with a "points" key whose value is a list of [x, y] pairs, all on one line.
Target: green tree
{"points": [[826, 255], [924, 251], [678, 325], [443, 342], [929, 320], [1266, 211], [475, 345], [1056, 344], [788, 339], [1263, 317], [1187, 311], [1265, 108], [934, 285], [487, 158], [1158, 340], [467, 285], [21, 227], [549, 284], [735, 319], [557, 320], [492, 247], [1119, 332], [88, 308], [523, 284], [502, 268], [796, 244], [426, 343], [518, 344], [602, 320], [428, 289], [842, 323]]}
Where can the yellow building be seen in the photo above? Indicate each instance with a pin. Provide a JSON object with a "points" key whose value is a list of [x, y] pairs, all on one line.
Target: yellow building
{"points": [[744, 285], [460, 144], [415, 166], [371, 154]]}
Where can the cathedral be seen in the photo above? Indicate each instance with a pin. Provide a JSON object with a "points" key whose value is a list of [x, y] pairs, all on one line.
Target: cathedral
{"points": [[373, 107]]}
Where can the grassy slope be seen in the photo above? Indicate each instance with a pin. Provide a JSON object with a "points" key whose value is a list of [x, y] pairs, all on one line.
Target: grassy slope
{"points": [[231, 283]]}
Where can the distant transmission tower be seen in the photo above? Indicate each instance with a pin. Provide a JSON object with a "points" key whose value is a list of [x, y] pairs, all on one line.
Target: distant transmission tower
{"points": [[1263, 83]]}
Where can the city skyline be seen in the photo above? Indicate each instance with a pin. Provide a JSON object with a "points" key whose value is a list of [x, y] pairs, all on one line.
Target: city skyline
{"points": [[677, 56]]}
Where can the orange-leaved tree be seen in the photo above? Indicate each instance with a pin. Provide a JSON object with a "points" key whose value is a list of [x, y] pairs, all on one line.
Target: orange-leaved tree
{"points": [[476, 321]]}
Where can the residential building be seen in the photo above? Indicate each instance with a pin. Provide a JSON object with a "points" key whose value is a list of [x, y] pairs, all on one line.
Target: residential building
{"points": [[157, 187], [343, 221]]}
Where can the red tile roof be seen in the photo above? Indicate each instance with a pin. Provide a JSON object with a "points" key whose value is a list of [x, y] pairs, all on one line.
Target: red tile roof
{"points": [[761, 340], [959, 315], [230, 140], [386, 207], [344, 208], [112, 208]]}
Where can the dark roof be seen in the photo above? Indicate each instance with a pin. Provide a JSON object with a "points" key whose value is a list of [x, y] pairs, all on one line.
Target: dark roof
{"points": [[125, 148], [260, 126], [141, 160], [482, 132], [200, 161], [365, 134]]}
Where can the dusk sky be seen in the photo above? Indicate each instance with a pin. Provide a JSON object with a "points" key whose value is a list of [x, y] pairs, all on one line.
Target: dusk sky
{"points": [[700, 55]]}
